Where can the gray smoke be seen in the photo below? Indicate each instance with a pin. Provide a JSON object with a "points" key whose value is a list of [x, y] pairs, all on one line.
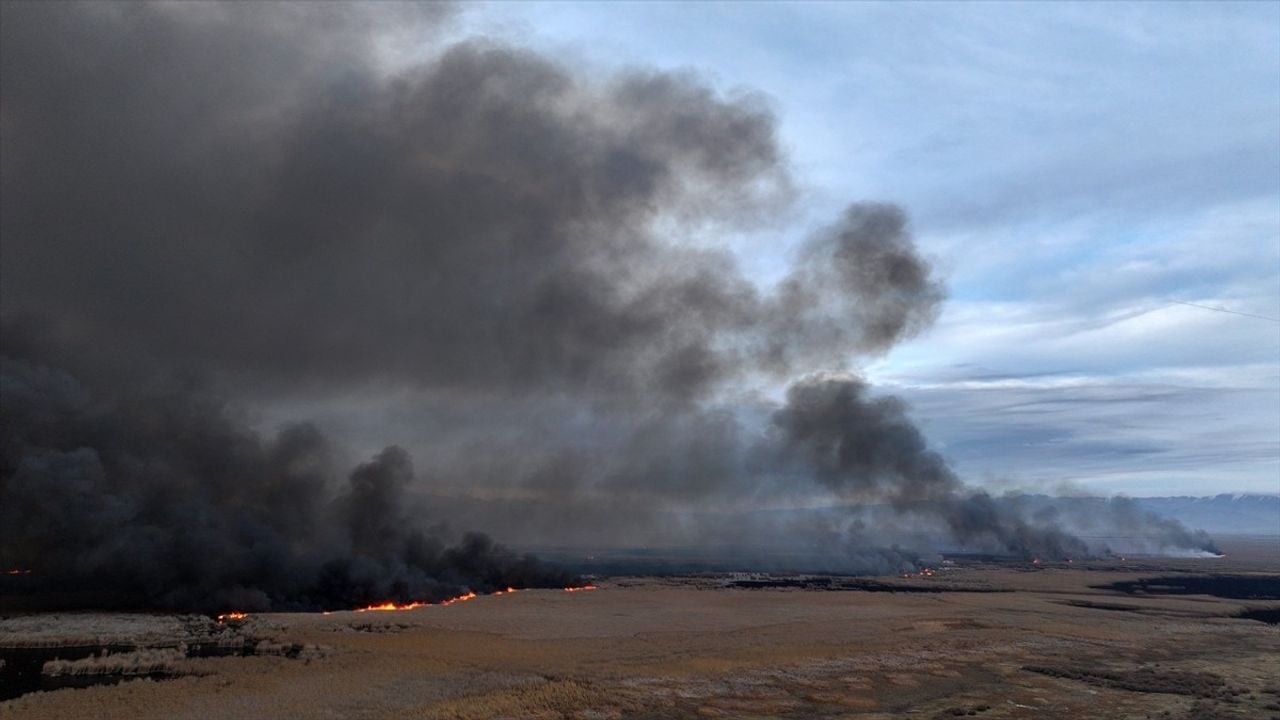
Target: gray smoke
{"points": [[236, 194], [867, 450], [1125, 526], [214, 209]]}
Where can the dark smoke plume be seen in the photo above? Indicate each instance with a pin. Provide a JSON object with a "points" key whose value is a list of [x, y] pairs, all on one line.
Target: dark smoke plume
{"points": [[270, 200], [483, 220], [868, 450], [160, 497]]}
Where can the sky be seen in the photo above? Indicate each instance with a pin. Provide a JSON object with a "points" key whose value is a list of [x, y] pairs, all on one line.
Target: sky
{"points": [[1073, 170]]}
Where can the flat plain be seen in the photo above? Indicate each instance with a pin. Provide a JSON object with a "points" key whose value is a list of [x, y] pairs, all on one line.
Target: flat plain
{"points": [[1193, 638]]}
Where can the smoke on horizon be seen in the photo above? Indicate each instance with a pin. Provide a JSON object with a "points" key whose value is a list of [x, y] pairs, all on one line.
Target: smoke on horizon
{"points": [[208, 208]]}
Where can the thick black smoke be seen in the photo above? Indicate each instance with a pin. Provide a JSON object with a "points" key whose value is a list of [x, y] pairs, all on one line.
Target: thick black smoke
{"points": [[219, 188], [160, 497], [300, 204]]}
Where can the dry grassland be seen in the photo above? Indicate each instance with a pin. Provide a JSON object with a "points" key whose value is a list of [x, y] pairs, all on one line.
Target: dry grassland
{"points": [[1050, 647]]}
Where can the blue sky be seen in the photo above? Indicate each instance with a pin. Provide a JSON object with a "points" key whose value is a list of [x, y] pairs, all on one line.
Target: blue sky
{"points": [[1071, 169]]}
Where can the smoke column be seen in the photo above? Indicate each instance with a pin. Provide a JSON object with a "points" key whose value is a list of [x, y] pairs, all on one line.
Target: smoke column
{"points": [[214, 209]]}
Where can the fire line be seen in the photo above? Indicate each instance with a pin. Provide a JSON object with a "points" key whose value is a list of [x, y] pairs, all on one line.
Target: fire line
{"points": [[390, 606]]}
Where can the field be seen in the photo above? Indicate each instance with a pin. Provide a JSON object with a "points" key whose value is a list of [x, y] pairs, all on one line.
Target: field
{"points": [[976, 639]]}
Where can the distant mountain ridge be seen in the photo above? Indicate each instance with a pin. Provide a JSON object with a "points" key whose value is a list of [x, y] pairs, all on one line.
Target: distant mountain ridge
{"points": [[1239, 514]]}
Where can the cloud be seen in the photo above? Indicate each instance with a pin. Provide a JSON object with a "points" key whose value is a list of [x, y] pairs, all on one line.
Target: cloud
{"points": [[1154, 433]]}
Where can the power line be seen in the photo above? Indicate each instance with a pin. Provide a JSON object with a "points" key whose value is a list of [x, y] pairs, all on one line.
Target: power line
{"points": [[1224, 310]]}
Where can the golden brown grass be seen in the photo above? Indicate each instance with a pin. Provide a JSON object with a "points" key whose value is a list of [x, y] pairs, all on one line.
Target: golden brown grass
{"points": [[549, 699], [663, 649]]}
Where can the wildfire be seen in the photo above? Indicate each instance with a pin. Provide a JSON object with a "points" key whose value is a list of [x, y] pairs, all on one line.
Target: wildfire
{"points": [[390, 606], [924, 573], [18, 571], [386, 606], [232, 616]]}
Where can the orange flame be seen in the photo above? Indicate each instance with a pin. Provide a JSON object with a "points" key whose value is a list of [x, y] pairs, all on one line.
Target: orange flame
{"points": [[460, 598], [415, 605], [389, 606], [232, 616], [392, 606]]}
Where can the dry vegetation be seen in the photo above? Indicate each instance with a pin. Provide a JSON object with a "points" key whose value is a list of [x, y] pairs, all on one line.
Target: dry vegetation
{"points": [[163, 661], [1053, 646]]}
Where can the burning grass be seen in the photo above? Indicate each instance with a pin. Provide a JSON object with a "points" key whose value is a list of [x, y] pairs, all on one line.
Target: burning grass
{"points": [[393, 606], [45, 652], [701, 647]]}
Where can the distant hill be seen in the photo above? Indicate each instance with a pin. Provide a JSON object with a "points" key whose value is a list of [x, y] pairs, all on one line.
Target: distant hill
{"points": [[1222, 514]]}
